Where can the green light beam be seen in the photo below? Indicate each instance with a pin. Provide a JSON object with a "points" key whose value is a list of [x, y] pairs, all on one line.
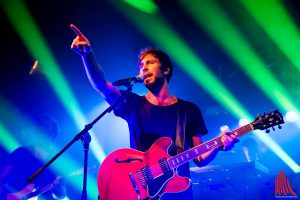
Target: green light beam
{"points": [[61, 166], [147, 6], [34, 42], [27, 30], [275, 20], [6, 140], [236, 46], [278, 150], [188, 60]]}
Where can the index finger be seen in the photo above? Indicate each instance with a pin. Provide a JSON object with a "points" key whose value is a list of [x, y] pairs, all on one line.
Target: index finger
{"points": [[76, 30]]}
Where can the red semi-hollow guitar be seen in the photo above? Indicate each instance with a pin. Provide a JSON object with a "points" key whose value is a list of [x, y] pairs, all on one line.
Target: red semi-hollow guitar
{"points": [[134, 175]]}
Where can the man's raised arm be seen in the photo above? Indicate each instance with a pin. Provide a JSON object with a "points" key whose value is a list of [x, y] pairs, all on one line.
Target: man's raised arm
{"points": [[93, 69]]}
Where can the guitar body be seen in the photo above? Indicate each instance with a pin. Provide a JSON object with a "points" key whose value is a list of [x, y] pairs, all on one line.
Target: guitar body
{"points": [[130, 174]]}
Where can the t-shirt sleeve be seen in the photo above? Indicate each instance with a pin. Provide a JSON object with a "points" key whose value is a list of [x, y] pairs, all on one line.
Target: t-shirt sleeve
{"points": [[126, 104]]}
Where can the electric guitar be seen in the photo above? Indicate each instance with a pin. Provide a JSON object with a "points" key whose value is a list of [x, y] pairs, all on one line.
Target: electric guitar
{"points": [[134, 175]]}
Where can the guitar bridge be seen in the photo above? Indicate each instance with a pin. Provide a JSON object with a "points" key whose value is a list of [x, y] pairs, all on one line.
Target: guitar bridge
{"points": [[165, 167], [141, 179]]}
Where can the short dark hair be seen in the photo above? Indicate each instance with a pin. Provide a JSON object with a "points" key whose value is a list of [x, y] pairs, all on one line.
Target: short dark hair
{"points": [[161, 56]]}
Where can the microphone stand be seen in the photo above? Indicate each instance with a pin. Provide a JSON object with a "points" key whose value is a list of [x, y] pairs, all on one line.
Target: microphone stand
{"points": [[86, 139]]}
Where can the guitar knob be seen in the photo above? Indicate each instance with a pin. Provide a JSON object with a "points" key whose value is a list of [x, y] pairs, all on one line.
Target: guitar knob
{"points": [[259, 116]]}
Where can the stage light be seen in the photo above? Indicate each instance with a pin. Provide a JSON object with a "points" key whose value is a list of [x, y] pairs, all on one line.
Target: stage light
{"points": [[243, 122], [291, 117], [224, 128]]}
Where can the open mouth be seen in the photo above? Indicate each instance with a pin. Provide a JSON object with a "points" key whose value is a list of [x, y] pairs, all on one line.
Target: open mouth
{"points": [[146, 75]]}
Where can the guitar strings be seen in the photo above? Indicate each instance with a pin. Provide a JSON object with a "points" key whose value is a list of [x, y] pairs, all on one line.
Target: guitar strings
{"points": [[156, 171]]}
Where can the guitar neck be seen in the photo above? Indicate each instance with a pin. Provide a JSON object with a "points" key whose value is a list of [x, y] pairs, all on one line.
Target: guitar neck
{"points": [[196, 151]]}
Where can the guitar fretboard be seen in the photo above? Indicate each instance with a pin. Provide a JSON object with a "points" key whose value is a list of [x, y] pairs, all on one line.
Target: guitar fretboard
{"points": [[196, 151]]}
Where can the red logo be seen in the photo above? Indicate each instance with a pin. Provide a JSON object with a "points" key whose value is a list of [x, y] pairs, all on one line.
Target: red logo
{"points": [[283, 188]]}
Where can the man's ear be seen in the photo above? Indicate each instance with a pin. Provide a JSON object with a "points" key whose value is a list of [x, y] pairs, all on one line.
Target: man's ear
{"points": [[166, 70]]}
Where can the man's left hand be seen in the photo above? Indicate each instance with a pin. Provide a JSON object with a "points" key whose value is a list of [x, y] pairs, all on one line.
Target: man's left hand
{"points": [[228, 141]]}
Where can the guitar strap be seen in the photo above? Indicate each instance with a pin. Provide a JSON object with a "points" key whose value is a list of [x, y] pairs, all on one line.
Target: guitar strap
{"points": [[180, 130]]}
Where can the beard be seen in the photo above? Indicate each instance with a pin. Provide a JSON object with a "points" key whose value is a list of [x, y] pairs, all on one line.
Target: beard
{"points": [[156, 85]]}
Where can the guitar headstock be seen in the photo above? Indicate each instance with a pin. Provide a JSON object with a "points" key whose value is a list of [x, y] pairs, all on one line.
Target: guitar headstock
{"points": [[263, 122]]}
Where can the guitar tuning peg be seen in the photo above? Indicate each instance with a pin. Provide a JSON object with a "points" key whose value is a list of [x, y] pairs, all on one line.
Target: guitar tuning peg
{"points": [[280, 127], [273, 128], [267, 131]]}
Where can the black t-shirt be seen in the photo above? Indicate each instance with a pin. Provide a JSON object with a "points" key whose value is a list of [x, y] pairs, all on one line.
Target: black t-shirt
{"points": [[148, 122]]}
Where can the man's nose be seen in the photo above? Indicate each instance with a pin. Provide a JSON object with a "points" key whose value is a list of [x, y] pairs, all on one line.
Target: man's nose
{"points": [[144, 69]]}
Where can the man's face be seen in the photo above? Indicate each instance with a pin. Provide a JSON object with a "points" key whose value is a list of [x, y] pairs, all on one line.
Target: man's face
{"points": [[150, 67]]}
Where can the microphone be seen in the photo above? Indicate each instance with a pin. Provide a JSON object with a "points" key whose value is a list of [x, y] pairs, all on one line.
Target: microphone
{"points": [[129, 81]]}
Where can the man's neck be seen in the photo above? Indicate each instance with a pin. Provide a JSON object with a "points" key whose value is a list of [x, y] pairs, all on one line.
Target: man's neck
{"points": [[163, 97]]}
